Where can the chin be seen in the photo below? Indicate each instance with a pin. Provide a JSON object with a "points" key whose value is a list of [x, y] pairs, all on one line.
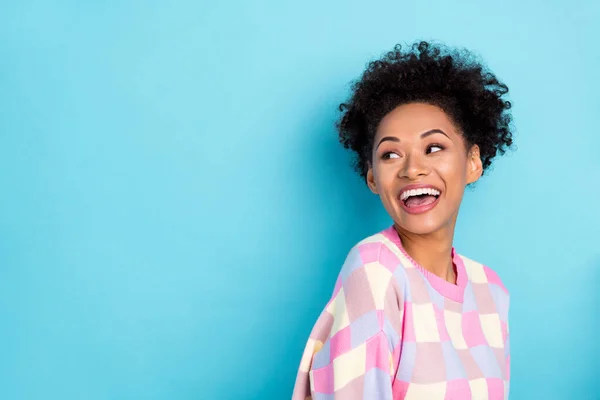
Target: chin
{"points": [[420, 224], [419, 228]]}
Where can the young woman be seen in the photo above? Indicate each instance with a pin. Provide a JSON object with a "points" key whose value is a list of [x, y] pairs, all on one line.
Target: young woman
{"points": [[409, 317]]}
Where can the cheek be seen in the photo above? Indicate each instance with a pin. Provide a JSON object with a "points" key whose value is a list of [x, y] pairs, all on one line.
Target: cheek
{"points": [[385, 180], [385, 175], [454, 170], [453, 173]]}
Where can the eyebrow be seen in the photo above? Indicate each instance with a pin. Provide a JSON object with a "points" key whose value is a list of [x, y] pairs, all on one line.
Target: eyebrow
{"points": [[423, 136]]}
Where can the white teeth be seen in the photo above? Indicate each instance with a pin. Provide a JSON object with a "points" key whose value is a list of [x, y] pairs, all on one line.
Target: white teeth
{"points": [[417, 192]]}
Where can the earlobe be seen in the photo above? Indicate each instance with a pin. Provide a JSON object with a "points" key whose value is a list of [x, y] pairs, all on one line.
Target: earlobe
{"points": [[371, 181]]}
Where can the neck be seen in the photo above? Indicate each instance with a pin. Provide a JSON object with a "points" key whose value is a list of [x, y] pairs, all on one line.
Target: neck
{"points": [[432, 251]]}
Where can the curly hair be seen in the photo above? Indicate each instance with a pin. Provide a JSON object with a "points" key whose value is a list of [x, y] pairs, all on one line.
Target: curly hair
{"points": [[451, 79]]}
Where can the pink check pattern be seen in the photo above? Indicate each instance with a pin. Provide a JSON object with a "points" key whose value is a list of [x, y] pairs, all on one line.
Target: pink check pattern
{"points": [[392, 330]]}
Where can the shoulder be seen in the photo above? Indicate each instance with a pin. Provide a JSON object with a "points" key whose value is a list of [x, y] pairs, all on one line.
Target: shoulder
{"points": [[483, 282], [482, 274], [377, 252], [373, 263]]}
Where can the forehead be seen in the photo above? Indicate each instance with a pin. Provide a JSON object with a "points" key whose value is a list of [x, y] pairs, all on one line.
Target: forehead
{"points": [[414, 119]]}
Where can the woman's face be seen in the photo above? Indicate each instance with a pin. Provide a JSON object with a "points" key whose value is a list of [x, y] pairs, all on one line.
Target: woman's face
{"points": [[420, 167]]}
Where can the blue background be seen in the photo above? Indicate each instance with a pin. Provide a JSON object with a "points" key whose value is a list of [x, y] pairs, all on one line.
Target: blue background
{"points": [[175, 206]]}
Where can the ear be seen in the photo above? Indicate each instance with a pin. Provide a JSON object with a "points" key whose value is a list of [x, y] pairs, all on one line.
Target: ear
{"points": [[371, 180], [474, 165]]}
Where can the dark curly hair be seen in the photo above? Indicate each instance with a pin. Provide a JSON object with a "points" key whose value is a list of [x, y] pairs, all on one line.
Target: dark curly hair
{"points": [[451, 79]]}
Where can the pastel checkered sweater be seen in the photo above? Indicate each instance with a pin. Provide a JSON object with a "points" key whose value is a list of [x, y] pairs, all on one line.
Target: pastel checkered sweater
{"points": [[393, 330]]}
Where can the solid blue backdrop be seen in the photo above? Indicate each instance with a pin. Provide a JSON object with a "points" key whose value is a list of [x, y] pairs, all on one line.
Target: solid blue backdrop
{"points": [[176, 207]]}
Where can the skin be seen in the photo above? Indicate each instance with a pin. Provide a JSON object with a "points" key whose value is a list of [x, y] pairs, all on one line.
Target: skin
{"points": [[418, 143]]}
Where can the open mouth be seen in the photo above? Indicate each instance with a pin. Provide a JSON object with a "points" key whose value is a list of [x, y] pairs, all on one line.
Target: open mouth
{"points": [[419, 200]]}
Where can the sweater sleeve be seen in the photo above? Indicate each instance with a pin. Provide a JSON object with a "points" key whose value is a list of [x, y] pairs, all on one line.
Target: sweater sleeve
{"points": [[353, 349]]}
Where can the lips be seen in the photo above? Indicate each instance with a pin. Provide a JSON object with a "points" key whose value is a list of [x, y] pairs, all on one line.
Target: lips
{"points": [[418, 199]]}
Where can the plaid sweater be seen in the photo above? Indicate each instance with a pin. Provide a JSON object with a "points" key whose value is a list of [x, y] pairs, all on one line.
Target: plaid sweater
{"points": [[393, 330]]}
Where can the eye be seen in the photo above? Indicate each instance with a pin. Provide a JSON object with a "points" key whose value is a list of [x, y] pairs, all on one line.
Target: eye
{"points": [[434, 148], [389, 155]]}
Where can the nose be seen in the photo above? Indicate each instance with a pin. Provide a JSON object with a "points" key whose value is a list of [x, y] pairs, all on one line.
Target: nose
{"points": [[414, 167]]}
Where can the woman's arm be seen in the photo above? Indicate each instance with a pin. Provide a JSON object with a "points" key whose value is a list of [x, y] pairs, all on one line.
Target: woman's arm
{"points": [[353, 347]]}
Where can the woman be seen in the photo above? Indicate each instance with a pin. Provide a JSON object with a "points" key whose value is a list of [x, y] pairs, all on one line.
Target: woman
{"points": [[409, 317]]}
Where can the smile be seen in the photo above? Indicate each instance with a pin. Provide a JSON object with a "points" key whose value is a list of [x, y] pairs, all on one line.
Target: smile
{"points": [[417, 199]]}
